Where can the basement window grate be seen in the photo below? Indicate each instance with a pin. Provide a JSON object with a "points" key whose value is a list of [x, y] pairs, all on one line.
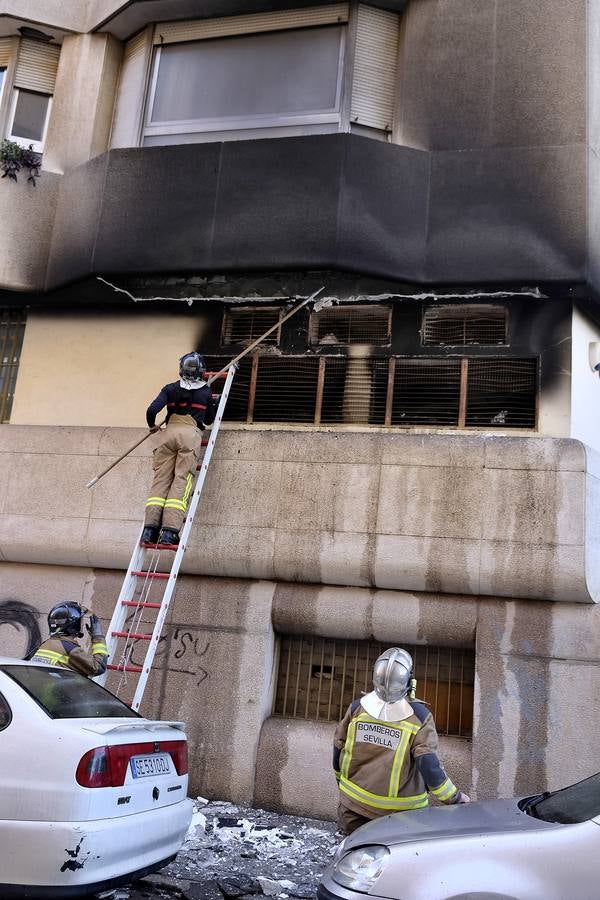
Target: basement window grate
{"points": [[455, 325], [502, 393], [12, 332], [242, 325], [362, 390], [319, 677], [341, 325]]}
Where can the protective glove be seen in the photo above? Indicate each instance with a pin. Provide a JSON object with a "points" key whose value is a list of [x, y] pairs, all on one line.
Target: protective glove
{"points": [[154, 429], [94, 627]]}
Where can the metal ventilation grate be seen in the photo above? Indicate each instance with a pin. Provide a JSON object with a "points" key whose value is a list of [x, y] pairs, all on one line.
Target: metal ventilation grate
{"points": [[244, 324], [469, 324], [319, 677], [502, 393], [345, 390], [12, 331], [351, 325], [426, 392]]}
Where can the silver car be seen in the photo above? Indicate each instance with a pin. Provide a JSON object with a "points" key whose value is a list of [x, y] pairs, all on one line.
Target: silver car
{"points": [[545, 847]]}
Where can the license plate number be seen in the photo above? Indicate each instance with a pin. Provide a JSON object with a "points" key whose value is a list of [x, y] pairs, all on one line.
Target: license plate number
{"points": [[143, 766]]}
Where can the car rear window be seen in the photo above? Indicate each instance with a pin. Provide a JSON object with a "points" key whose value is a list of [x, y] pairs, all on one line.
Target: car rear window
{"points": [[65, 694], [571, 805]]}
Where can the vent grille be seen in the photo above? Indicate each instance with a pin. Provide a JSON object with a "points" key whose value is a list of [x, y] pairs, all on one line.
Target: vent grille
{"points": [[318, 678], [351, 325], [244, 325], [502, 393], [426, 392], [342, 390], [460, 325], [12, 331]]}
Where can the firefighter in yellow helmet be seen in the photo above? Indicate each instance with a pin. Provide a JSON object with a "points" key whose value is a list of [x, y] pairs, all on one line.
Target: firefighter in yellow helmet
{"points": [[62, 647], [385, 749]]}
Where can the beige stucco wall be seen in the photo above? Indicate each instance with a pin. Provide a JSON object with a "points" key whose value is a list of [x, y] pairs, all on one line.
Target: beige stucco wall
{"points": [[478, 515], [73, 15], [585, 384], [98, 369], [26, 220], [536, 693]]}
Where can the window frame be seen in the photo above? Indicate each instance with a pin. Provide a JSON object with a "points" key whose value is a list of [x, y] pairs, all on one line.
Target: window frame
{"points": [[37, 146], [248, 122], [3, 82]]}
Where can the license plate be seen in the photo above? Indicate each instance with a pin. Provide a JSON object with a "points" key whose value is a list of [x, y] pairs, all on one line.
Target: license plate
{"points": [[157, 764]]}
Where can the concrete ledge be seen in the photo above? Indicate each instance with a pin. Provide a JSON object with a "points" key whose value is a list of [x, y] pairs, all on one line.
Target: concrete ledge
{"points": [[466, 515]]}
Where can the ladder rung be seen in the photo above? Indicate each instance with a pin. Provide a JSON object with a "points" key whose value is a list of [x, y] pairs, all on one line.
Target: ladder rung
{"points": [[124, 668], [150, 574], [132, 634], [141, 605], [159, 546]]}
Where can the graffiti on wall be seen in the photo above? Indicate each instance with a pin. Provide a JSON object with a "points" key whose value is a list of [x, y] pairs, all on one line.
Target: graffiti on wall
{"points": [[24, 618], [185, 646]]}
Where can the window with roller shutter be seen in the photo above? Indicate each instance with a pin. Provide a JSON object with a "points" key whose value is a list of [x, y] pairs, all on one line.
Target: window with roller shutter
{"points": [[33, 87]]}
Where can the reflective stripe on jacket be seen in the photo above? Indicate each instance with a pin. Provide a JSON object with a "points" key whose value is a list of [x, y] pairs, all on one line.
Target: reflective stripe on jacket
{"points": [[389, 767], [68, 654]]}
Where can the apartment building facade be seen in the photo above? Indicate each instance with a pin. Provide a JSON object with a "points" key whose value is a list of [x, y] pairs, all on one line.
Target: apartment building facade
{"points": [[416, 463]]}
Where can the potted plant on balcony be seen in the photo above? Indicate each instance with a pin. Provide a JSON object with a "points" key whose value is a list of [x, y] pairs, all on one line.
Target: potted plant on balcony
{"points": [[13, 158]]}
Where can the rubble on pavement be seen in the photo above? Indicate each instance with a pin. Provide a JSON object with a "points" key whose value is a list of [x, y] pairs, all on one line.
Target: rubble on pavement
{"points": [[235, 853]]}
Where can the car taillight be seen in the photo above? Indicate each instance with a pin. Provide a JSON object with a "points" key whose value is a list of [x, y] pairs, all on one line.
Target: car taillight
{"points": [[107, 766], [94, 769]]}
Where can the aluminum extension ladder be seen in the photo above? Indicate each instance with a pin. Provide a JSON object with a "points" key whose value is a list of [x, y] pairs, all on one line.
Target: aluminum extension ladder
{"points": [[124, 632]]}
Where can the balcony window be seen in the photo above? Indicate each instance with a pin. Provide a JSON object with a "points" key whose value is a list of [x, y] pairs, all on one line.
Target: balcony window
{"points": [[29, 118], [246, 82]]}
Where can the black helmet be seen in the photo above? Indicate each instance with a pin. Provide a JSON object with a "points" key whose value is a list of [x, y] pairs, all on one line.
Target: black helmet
{"points": [[192, 365], [65, 618]]}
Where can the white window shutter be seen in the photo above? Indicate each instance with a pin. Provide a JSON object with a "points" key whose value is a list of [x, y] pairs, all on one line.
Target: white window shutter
{"points": [[6, 51], [130, 93], [37, 64], [375, 68], [203, 29]]}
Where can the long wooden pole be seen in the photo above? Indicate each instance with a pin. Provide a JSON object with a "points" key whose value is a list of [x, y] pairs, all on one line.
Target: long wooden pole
{"points": [[233, 362]]}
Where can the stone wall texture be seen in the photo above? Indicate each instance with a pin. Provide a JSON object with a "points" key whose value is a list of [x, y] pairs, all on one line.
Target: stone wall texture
{"points": [[460, 514]]}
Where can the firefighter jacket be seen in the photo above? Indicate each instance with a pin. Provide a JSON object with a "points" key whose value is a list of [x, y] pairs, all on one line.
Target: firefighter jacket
{"points": [[385, 767], [197, 403], [67, 653]]}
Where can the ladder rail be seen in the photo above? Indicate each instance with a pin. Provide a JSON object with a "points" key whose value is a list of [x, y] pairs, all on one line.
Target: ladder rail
{"points": [[174, 572], [127, 606]]}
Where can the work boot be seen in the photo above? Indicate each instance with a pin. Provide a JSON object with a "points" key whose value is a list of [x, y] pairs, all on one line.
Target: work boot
{"points": [[150, 534], [168, 536]]}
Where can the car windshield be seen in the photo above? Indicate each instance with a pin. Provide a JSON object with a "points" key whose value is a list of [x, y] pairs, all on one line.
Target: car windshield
{"points": [[65, 694], [576, 803]]}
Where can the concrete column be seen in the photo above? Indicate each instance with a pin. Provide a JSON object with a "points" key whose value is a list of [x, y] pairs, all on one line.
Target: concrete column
{"points": [[83, 100]]}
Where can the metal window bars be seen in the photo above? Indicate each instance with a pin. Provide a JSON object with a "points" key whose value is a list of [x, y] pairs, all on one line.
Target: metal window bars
{"points": [[319, 677], [12, 331], [393, 391], [456, 325]]}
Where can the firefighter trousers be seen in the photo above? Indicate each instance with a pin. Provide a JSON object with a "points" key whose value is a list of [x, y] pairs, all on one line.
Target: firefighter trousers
{"points": [[174, 464]]}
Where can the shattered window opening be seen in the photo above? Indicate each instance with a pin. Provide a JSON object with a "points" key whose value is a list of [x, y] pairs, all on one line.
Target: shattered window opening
{"points": [[318, 678], [243, 325], [341, 325]]}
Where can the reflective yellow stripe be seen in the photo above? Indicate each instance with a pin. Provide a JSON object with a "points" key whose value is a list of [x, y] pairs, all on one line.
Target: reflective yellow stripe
{"points": [[52, 656], [377, 801], [188, 490], [348, 748], [100, 647], [399, 757], [155, 501], [175, 504], [445, 790]]}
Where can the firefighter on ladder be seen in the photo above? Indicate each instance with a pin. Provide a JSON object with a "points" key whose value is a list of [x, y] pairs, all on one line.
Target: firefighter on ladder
{"points": [[190, 407], [62, 647], [385, 749]]}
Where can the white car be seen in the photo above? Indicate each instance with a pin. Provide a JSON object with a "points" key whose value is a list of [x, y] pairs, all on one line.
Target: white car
{"points": [[91, 794]]}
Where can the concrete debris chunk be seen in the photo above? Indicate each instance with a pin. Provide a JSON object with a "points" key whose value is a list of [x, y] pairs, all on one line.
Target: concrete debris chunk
{"points": [[238, 885]]}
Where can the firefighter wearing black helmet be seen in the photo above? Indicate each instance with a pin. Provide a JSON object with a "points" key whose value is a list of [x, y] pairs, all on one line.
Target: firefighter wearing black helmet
{"points": [[190, 407], [62, 648]]}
